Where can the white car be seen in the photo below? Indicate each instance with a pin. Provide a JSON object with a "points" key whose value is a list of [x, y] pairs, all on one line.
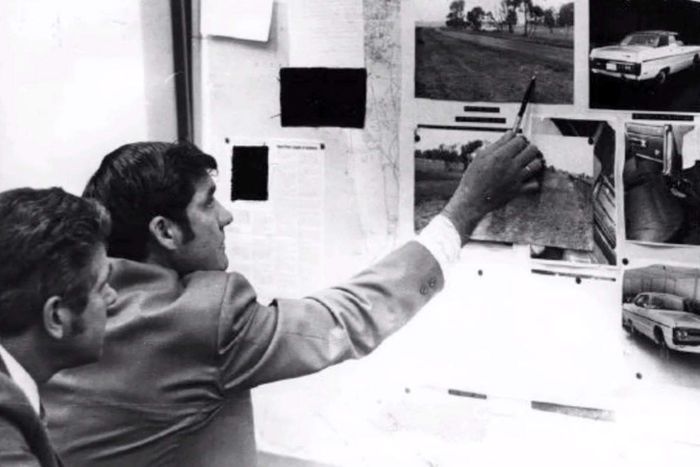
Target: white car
{"points": [[645, 55], [664, 318]]}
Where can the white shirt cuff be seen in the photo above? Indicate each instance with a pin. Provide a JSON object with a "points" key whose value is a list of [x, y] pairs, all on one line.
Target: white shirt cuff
{"points": [[442, 240]]}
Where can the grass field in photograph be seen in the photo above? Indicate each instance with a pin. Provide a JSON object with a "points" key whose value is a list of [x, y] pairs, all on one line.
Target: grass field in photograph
{"points": [[495, 66]]}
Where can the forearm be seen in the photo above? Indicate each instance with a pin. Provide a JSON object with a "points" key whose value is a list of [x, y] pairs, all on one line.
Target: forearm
{"points": [[292, 338]]}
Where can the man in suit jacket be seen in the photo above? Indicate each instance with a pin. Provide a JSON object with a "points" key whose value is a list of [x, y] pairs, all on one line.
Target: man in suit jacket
{"points": [[187, 341], [54, 294]]}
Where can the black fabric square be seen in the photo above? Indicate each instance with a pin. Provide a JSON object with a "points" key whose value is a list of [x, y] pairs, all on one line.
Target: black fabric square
{"points": [[323, 97], [249, 173]]}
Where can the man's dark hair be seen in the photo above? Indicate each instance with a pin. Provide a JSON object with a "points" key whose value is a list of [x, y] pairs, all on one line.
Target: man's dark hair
{"points": [[140, 181], [48, 239]]}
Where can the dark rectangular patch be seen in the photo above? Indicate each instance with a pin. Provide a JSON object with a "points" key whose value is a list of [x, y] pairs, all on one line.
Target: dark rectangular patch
{"points": [[249, 173], [480, 120], [460, 393], [323, 97], [654, 116], [574, 411], [545, 272], [465, 128], [476, 108]]}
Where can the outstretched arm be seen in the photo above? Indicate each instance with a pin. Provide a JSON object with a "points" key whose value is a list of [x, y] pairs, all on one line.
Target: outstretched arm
{"points": [[289, 338]]}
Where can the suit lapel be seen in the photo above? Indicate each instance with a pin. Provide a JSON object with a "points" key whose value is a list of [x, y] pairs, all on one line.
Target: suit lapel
{"points": [[17, 407]]}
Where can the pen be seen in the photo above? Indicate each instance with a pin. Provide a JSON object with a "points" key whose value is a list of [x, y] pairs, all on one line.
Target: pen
{"points": [[523, 104]]}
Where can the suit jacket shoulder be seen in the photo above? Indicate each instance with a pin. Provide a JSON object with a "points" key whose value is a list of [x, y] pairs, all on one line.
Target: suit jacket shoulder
{"points": [[23, 438], [181, 354]]}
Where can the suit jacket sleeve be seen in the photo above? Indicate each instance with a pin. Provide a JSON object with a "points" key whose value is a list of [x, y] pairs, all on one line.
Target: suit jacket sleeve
{"points": [[289, 338]]}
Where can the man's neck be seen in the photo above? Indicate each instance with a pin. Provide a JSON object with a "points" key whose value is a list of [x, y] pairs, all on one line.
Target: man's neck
{"points": [[34, 357], [159, 259]]}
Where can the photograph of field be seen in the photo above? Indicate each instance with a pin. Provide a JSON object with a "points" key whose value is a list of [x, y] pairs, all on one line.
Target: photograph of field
{"points": [[558, 214], [645, 55], [600, 136], [486, 50], [440, 158]]}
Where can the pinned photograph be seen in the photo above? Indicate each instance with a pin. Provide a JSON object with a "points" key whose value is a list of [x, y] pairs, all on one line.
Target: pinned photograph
{"points": [[645, 55], [661, 320], [558, 212], [478, 50], [441, 156], [600, 137], [661, 180]]}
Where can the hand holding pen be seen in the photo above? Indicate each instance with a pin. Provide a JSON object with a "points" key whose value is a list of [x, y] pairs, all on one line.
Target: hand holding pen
{"points": [[523, 104], [533, 184]]}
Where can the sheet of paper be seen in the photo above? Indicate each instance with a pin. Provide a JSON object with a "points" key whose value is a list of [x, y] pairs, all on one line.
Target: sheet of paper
{"points": [[327, 34], [241, 19], [279, 244]]}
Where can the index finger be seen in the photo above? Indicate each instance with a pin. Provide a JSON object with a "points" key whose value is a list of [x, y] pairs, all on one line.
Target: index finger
{"points": [[507, 136], [512, 148]]}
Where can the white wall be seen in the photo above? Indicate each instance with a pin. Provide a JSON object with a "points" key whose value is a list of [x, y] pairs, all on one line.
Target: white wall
{"points": [[78, 79]]}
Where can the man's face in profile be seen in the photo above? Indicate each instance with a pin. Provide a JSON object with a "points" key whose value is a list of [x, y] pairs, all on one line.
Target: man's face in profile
{"points": [[89, 324], [208, 218]]}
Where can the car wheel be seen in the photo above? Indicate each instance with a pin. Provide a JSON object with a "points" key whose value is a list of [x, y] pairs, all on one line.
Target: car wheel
{"points": [[664, 351], [627, 325], [661, 78]]}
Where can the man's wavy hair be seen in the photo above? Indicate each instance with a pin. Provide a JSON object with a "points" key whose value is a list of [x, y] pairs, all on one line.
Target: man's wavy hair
{"points": [[48, 239], [140, 181]]}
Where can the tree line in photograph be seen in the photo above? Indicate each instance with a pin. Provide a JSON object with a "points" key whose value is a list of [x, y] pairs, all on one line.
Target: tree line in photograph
{"points": [[506, 16], [451, 154]]}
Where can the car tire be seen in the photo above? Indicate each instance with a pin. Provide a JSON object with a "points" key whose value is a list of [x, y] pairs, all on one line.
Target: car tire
{"points": [[627, 326], [661, 78], [664, 351]]}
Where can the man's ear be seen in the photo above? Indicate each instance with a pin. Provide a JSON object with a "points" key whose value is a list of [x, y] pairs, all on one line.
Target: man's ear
{"points": [[56, 318], [165, 232]]}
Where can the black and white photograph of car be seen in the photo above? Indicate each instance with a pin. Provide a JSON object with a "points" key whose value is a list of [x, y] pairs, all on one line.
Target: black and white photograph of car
{"points": [[480, 50], [666, 319], [660, 323], [645, 55], [661, 178]]}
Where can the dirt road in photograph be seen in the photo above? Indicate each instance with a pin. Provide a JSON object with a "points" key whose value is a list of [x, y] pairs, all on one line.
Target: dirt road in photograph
{"points": [[458, 65]]}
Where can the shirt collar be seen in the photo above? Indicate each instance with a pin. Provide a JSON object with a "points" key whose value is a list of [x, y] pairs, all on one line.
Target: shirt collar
{"points": [[23, 379]]}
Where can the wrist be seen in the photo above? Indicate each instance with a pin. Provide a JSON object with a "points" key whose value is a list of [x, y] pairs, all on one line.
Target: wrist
{"points": [[464, 220]]}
